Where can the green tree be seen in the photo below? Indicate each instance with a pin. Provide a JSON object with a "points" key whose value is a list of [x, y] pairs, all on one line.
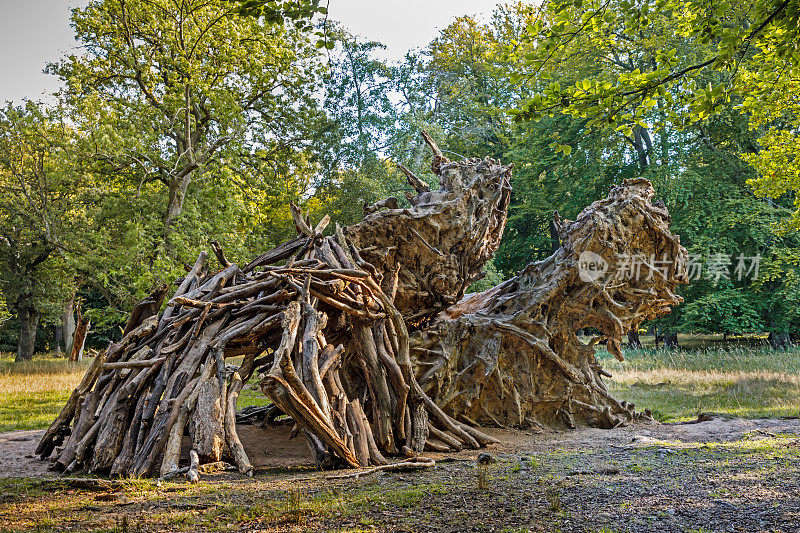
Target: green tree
{"points": [[565, 161], [172, 91], [41, 208], [712, 55], [723, 37], [359, 132]]}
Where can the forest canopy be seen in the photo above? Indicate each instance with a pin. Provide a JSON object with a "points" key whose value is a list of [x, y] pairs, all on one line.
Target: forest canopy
{"points": [[185, 123]]}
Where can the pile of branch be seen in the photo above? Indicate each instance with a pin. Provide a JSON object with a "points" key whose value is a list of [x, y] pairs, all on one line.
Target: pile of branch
{"points": [[322, 325]]}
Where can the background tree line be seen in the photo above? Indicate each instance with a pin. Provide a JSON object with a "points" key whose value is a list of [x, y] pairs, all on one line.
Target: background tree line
{"points": [[185, 122]]}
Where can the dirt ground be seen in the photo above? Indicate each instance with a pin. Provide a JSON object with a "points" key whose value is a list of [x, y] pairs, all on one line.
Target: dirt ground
{"points": [[716, 475]]}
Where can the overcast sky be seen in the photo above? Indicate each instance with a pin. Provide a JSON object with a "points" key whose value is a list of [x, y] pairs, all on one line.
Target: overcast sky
{"points": [[35, 32]]}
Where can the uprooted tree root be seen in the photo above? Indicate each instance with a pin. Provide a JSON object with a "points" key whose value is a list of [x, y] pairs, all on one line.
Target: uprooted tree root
{"points": [[348, 335], [510, 356]]}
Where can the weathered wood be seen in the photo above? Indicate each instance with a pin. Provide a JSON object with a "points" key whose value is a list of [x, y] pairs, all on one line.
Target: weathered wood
{"points": [[208, 431], [60, 426], [366, 340], [510, 354], [192, 475], [220, 253], [146, 308], [82, 326], [134, 364], [172, 449], [279, 253], [190, 278], [240, 376]]}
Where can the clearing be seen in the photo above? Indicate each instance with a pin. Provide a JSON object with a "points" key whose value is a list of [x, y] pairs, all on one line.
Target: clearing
{"points": [[721, 474]]}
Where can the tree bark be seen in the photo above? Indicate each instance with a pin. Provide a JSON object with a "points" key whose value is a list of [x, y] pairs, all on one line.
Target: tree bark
{"points": [[671, 340], [28, 325], [68, 324], [79, 338], [58, 340], [633, 340], [509, 356], [177, 194], [367, 341]]}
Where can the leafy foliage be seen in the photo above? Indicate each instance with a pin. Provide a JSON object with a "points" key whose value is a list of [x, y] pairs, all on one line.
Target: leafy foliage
{"points": [[40, 211], [186, 122]]}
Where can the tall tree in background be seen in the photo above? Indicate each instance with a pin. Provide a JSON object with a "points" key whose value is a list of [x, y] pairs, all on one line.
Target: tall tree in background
{"points": [[197, 118], [360, 130], [179, 88], [40, 213], [565, 160]]}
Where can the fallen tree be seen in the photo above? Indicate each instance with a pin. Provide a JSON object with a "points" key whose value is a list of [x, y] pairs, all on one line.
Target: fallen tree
{"points": [[510, 356], [359, 336]]}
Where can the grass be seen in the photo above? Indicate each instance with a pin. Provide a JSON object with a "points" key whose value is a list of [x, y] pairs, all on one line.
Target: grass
{"points": [[730, 378], [727, 378], [33, 392], [737, 377]]}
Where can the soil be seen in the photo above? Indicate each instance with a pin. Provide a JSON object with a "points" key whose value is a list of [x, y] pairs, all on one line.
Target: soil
{"points": [[272, 449], [714, 475]]}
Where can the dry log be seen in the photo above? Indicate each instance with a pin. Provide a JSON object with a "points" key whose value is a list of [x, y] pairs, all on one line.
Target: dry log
{"points": [[192, 277], [134, 364], [172, 449], [240, 376], [208, 432], [192, 475], [82, 326], [220, 253], [412, 463], [60, 426], [146, 308]]}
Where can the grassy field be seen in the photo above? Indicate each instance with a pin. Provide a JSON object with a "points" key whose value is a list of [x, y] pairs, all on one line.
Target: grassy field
{"points": [[736, 377], [727, 378], [636, 478], [33, 392], [659, 485]]}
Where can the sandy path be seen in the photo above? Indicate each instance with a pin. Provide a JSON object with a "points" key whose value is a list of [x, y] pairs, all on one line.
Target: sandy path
{"points": [[273, 448]]}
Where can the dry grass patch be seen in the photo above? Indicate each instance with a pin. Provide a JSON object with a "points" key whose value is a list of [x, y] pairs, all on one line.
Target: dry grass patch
{"points": [[33, 392], [680, 384]]}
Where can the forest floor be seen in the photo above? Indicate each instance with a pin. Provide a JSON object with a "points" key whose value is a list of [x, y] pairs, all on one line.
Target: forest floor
{"points": [[721, 474], [739, 471]]}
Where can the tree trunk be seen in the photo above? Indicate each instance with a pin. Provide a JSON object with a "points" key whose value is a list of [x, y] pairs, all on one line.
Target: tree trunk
{"points": [[633, 340], [779, 341], [177, 194], [68, 324], [79, 339], [509, 356], [58, 340], [28, 325], [670, 340]]}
